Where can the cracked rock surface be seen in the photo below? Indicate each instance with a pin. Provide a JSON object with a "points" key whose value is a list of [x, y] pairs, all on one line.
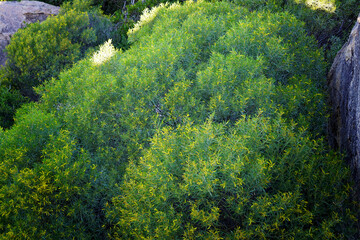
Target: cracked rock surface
{"points": [[344, 89]]}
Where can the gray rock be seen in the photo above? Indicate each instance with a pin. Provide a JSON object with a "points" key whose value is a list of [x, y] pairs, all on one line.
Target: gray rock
{"points": [[15, 15], [344, 88]]}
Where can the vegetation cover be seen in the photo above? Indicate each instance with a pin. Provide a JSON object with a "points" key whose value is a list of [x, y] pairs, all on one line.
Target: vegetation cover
{"points": [[210, 126], [40, 51], [328, 20]]}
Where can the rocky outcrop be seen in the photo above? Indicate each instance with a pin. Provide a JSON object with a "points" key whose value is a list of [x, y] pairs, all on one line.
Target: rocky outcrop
{"points": [[344, 87], [15, 15]]}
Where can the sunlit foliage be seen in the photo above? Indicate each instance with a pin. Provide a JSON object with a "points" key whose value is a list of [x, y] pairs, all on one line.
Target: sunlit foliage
{"points": [[260, 180], [209, 126], [41, 51]]}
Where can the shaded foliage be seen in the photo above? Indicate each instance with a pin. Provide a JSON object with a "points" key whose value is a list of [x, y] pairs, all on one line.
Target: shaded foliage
{"points": [[329, 21], [10, 100]]}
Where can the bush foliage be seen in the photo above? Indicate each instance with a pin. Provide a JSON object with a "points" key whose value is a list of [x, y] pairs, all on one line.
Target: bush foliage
{"points": [[40, 51], [329, 21], [209, 126], [260, 180]]}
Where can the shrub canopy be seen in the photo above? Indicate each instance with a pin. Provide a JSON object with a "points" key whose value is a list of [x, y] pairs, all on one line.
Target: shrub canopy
{"points": [[40, 51], [209, 126]]}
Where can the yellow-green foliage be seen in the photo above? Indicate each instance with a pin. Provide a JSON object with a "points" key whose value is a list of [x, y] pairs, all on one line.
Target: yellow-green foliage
{"points": [[330, 21], [40, 51], [47, 184], [216, 114], [260, 180]]}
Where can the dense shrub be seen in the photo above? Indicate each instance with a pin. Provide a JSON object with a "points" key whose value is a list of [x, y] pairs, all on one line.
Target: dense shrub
{"points": [[41, 51], [329, 21], [235, 99], [139, 84], [263, 180], [47, 183]]}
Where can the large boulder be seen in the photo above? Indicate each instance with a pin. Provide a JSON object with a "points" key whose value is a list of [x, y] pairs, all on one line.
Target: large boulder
{"points": [[344, 87], [15, 15]]}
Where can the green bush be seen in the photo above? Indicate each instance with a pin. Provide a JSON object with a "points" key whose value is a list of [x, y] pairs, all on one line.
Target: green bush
{"points": [[49, 177], [263, 180], [180, 187], [138, 84], [57, 199], [40, 51], [324, 19], [257, 168], [51, 187]]}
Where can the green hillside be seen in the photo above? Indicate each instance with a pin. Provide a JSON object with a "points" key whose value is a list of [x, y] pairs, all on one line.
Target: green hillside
{"points": [[211, 126]]}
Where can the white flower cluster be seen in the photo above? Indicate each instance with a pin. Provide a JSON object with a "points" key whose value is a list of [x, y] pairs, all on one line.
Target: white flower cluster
{"points": [[105, 52]]}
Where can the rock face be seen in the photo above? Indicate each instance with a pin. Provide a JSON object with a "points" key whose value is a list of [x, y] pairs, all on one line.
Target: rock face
{"points": [[15, 15], [344, 87]]}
